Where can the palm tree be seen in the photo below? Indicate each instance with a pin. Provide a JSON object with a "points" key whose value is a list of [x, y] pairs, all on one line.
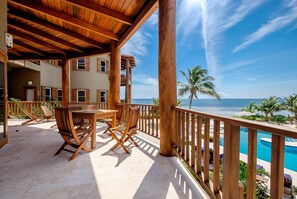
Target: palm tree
{"points": [[269, 106], [197, 82], [250, 108], [290, 104]]}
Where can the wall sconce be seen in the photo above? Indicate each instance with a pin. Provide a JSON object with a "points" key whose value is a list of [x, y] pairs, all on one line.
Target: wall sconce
{"points": [[30, 82]]}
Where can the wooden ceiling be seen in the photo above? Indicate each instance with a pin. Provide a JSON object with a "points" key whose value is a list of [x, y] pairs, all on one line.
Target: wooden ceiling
{"points": [[65, 29]]}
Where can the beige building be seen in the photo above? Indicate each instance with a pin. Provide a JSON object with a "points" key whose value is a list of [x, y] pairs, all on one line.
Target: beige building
{"points": [[89, 79]]}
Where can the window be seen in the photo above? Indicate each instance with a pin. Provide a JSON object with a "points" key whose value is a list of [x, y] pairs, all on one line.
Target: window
{"points": [[81, 95], [59, 94], [48, 94], [103, 66], [103, 96], [81, 64]]}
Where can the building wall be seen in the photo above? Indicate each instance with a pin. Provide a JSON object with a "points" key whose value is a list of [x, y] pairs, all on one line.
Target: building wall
{"points": [[3, 26], [18, 78], [50, 75], [90, 79]]}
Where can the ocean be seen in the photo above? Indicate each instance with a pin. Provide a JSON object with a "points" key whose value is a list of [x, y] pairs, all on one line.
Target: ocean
{"points": [[224, 107]]}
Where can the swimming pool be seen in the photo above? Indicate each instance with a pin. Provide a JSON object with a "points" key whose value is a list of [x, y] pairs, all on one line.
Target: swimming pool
{"points": [[264, 149]]}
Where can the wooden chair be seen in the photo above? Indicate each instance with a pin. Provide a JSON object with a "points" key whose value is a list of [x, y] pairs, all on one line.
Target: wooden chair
{"points": [[119, 116], [47, 114], [31, 116], [75, 138], [127, 130]]}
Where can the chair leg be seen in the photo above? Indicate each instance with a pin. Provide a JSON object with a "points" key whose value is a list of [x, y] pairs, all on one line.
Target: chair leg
{"points": [[82, 146], [61, 148]]}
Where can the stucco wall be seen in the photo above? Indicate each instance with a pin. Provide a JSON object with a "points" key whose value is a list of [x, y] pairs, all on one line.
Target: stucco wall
{"points": [[18, 78], [92, 79], [50, 75], [3, 24]]}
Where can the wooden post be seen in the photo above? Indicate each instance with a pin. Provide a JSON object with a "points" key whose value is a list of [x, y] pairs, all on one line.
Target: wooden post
{"points": [[277, 167], [114, 76], [167, 75], [127, 94], [231, 161], [252, 163], [65, 82]]}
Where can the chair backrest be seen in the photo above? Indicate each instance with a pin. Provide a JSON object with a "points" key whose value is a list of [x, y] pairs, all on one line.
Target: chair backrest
{"points": [[64, 121], [75, 107], [120, 112], [133, 116], [90, 107], [46, 111]]}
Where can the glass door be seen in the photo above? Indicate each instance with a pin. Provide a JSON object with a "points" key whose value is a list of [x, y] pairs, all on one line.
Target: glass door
{"points": [[3, 136]]}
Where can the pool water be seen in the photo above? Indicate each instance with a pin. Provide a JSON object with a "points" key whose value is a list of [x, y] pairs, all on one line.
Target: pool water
{"points": [[264, 149]]}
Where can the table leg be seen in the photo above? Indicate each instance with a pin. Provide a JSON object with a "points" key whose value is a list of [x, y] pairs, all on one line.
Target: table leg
{"points": [[114, 120], [93, 141]]}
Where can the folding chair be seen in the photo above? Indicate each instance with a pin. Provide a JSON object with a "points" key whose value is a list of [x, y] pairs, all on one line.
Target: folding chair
{"points": [[78, 122], [127, 130], [76, 138], [31, 116], [119, 121], [47, 114]]}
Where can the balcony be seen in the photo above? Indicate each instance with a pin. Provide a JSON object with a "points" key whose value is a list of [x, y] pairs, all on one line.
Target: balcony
{"points": [[29, 168], [195, 172]]}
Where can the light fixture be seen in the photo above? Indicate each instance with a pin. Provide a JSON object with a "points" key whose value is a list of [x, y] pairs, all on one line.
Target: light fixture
{"points": [[30, 82]]}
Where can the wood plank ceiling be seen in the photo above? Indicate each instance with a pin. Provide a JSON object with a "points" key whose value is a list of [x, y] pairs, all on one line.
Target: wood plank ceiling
{"points": [[65, 29]]}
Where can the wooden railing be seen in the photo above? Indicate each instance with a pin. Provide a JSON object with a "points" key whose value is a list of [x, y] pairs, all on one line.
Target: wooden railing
{"points": [[33, 107], [193, 131], [149, 121]]}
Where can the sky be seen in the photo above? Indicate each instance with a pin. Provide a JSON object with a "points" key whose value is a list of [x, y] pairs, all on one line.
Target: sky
{"points": [[248, 46]]}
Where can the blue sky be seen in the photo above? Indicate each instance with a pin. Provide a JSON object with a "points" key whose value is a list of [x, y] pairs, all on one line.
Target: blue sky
{"points": [[248, 46]]}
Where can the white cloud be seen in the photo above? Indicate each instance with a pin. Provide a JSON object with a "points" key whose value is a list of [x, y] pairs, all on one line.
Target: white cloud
{"points": [[217, 17], [144, 87], [188, 17], [271, 26], [137, 45], [250, 79], [153, 20]]}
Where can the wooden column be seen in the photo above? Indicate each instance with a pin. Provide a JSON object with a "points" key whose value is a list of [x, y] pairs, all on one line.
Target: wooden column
{"points": [[127, 94], [114, 76], [130, 87], [167, 74], [65, 82]]}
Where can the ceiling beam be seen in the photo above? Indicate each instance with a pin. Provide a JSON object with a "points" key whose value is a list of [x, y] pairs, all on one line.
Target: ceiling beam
{"points": [[35, 40], [38, 7], [14, 51], [24, 45], [94, 7], [32, 56], [146, 12], [43, 34], [88, 52], [30, 18]]}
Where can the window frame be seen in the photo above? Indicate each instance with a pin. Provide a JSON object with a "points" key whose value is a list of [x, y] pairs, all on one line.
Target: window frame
{"points": [[104, 96], [103, 60], [50, 94], [85, 96], [60, 96], [85, 64]]}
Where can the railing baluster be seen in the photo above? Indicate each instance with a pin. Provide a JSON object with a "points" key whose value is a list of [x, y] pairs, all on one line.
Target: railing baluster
{"points": [[252, 162], [193, 141], [206, 150], [277, 167], [145, 121], [216, 156], [149, 120], [187, 138], [199, 152], [183, 135], [153, 121], [157, 122], [231, 161]]}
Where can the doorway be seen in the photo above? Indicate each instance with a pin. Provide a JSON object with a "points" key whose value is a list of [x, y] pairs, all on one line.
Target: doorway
{"points": [[29, 93], [3, 120]]}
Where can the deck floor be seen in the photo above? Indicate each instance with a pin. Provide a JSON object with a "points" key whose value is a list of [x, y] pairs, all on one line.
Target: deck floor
{"points": [[29, 169]]}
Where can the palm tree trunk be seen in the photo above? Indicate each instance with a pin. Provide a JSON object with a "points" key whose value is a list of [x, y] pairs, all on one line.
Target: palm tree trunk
{"points": [[191, 98]]}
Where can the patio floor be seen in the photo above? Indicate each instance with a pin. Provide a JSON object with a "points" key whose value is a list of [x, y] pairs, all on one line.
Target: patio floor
{"points": [[29, 168]]}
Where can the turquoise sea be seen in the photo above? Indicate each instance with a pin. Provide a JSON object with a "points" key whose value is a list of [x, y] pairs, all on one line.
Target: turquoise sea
{"points": [[225, 107]]}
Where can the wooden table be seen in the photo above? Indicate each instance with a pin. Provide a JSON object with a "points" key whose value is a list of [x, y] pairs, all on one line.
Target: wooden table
{"points": [[94, 115]]}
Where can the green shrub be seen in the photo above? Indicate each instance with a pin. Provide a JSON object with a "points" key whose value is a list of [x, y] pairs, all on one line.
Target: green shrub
{"points": [[279, 119]]}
